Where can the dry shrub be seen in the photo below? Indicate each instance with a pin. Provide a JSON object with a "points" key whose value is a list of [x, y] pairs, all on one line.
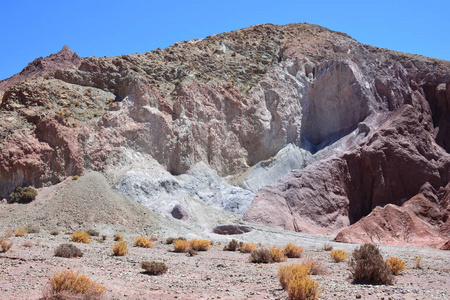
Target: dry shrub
{"points": [[5, 245], [120, 248], [71, 285], [192, 252], [153, 238], [233, 245], [68, 251], [260, 256], [247, 248], [303, 288], [396, 265], [338, 255], [418, 262], [142, 241], [20, 231], [327, 247], [154, 267], [170, 240], [288, 272], [92, 232], [28, 244], [32, 229], [368, 267], [277, 255], [54, 232], [199, 245], [22, 195], [293, 251], [9, 233], [317, 268], [118, 237], [181, 246], [81, 237]]}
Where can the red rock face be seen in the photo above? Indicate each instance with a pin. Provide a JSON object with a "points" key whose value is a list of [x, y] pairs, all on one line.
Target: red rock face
{"points": [[416, 223]]}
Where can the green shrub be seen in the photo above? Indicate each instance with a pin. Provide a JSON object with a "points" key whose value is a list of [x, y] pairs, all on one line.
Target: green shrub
{"points": [[22, 195], [368, 267]]}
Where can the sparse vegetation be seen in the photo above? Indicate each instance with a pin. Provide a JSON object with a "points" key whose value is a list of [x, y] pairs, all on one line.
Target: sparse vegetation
{"points": [[295, 279], [293, 251], [368, 267], [154, 267], [118, 237], [20, 232], [327, 247], [277, 255], [396, 265], [23, 195], [5, 245], [247, 248], [120, 248], [338, 255], [92, 232], [261, 255], [200, 245], [142, 241], [68, 251], [81, 237], [181, 246], [233, 245], [418, 262], [71, 285]]}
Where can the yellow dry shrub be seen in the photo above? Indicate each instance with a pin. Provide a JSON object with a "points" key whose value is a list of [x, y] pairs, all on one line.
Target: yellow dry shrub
{"points": [[338, 255], [81, 237], [396, 265], [5, 245], [120, 248], [9, 233], [70, 283], [118, 237], [142, 241], [247, 248], [181, 246], [293, 251], [20, 232], [277, 255], [303, 288], [199, 245], [289, 272]]}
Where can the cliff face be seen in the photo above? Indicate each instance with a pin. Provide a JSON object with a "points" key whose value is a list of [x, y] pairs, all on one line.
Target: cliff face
{"points": [[371, 125]]}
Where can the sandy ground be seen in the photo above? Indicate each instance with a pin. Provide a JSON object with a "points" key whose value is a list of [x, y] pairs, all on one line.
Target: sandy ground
{"points": [[215, 274]]}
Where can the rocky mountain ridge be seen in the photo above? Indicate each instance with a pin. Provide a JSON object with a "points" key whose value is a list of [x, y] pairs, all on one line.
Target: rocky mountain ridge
{"points": [[358, 126]]}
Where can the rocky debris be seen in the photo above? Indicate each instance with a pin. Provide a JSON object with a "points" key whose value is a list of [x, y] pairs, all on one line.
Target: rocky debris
{"points": [[43, 66], [179, 212], [231, 229]]}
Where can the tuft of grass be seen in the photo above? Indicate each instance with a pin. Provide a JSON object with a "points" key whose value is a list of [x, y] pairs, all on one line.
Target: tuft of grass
{"points": [[200, 245], [71, 285], [120, 248], [154, 267], [32, 229], [118, 237], [368, 267], [247, 248], [261, 255], [68, 251], [303, 288], [28, 244], [181, 246], [418, 262], [20, 231], [293, 251], [287, 272], [338, 255], [142, 241], [54, 232], [92, 232], [233, 245], [277, 255], [75, 177], [327, 247], [81, 237], [396, 265], [5, 245], [170, 240]]}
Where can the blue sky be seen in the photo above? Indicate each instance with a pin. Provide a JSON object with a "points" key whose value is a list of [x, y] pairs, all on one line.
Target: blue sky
{"points": [[30, 29]]}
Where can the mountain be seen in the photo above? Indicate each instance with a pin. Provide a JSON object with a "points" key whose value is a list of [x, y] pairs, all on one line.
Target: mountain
{"points": [[297, 127]]}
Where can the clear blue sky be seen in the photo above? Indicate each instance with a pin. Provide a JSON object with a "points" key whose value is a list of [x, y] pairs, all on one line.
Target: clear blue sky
{"points": [[30, 29]]}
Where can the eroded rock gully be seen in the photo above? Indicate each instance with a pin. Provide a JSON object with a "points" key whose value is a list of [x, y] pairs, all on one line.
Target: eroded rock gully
{"points": [[370, 126]]}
